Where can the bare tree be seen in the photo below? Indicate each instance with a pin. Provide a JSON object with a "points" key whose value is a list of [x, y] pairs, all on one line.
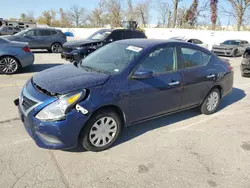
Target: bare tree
{"points": [[114, 12], [163, 9], [176, 5], [47, 17], [130, 12], [239, 8], [142, 11], [30, 16], [214, 12], [77, 15], [64, 20], [191, 14], [97, 18], [23, 16]]}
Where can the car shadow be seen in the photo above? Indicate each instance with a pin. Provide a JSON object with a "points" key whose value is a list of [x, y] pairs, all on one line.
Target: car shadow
{"points": [[37, 68], [132, 132]]}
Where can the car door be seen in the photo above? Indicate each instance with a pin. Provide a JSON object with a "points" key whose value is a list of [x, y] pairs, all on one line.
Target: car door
{"points": [[31, 36], [198, 74], [45, 38], [161, 93]]}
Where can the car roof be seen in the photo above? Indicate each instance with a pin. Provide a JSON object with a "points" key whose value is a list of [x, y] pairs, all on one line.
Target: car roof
{"points": [[144, 43]]}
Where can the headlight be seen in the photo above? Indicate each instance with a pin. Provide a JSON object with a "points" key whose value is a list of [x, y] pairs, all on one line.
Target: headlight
{"points": [[79, 47], [58, 109]]}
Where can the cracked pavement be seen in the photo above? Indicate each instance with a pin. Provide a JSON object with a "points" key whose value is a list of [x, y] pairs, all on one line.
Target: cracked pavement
{"points": [[181, 150]]}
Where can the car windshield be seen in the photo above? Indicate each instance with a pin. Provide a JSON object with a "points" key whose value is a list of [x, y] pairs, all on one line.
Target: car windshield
{"points": [[101, 34], [111, 59], [231, 42]]}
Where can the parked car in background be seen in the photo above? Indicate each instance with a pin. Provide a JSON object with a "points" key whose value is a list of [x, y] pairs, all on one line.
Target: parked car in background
{"points": [[191, 40], [232, 48], [76, 50], [245, 64], [14, 56], [41, 38], [4, 30], [120, 84]]}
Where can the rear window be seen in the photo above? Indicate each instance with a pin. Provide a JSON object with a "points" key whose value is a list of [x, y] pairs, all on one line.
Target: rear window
{"points": [[137, 34]]}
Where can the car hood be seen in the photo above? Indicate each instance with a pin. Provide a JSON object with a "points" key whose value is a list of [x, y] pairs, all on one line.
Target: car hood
{"points": [[10, 37], [67, 78], [222, 46], [81, 43]]}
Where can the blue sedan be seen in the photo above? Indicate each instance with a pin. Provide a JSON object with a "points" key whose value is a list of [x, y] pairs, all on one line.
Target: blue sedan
{"points": [[121, 84], [14, 56]]}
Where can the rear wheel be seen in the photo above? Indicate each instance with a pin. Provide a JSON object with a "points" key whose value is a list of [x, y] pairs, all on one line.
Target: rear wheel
{"points": [[8, 65], [56, 48], [101, 131], [211, 103]]}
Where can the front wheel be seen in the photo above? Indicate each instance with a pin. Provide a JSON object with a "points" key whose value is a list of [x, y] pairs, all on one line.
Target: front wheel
{"points": [[8, 65], [101, 131], [235, 53], [56, 48], [211, 103]]}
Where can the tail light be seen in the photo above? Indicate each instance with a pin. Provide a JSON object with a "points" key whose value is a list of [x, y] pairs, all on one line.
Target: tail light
{"points": [[26, 49], [227, 64]]}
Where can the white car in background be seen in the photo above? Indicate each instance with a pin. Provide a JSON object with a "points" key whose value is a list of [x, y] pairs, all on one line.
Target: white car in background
{"points": [[191, 40]]}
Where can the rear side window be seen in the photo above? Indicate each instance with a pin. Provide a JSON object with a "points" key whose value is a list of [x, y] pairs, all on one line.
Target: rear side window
{"points": [[127, 34], [53, 32], [193, 58], [137, 34], [45, 33], [196, 41]]}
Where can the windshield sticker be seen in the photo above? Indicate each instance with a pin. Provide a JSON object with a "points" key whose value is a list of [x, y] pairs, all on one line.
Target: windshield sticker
{"points": [[134, 48], [116, 70]]}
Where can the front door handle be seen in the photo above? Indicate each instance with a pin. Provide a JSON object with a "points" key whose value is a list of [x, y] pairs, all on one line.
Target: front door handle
{"points": [[211, 76], [174, 83]]}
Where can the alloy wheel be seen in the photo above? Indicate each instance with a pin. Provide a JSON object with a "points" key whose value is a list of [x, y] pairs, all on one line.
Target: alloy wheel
{"points": [[56, 48], [103, 131], [8, 65], [212, 102]]}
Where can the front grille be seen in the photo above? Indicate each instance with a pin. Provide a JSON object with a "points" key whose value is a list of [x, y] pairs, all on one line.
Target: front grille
{"points": [[67, 50], [27, 103], [218, 48]]}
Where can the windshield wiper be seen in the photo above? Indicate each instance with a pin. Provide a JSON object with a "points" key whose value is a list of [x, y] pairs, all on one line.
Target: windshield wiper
{"points": [[88, 68]]}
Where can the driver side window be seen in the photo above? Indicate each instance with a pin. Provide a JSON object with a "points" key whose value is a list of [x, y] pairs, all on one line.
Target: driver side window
{"points": [[160, 60]]}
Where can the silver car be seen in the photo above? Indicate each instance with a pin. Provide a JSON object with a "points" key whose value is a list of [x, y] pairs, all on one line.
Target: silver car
{"points": [[232, 48], [14, 56], [4, 30], [41, 38]]}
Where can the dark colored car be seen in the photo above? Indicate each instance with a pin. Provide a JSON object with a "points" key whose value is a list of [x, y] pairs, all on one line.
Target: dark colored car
{"points": [[14, 56], [76, 50], [232, 48], [41, 38], [120, 84], [245, 64], [6, 30]]}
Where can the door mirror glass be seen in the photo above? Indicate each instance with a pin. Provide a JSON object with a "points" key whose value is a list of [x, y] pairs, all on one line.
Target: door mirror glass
{"points": [[142, 73]]}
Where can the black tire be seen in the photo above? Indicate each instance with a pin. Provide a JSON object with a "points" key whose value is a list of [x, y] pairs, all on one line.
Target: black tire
{"points": [[56, 47], [204, 108], [85, 135], [235, 53], [5, 67], [242, 74]]}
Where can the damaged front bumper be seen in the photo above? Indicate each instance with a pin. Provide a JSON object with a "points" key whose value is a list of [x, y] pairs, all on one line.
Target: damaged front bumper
{"points": [[61, 134]]}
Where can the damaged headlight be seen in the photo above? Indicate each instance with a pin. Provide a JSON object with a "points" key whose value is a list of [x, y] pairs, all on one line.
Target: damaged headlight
{"points": [[58, 109]]}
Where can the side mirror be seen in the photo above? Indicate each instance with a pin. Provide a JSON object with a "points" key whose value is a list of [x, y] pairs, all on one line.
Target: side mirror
{"points": [[141, 73]]}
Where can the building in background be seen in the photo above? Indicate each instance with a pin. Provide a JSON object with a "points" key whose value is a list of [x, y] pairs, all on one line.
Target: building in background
{"points": [[17, 23]]}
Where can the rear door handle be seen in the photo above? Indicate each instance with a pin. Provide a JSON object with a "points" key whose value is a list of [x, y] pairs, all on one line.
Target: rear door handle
{"points": [[174, 83], [211, 76]]}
